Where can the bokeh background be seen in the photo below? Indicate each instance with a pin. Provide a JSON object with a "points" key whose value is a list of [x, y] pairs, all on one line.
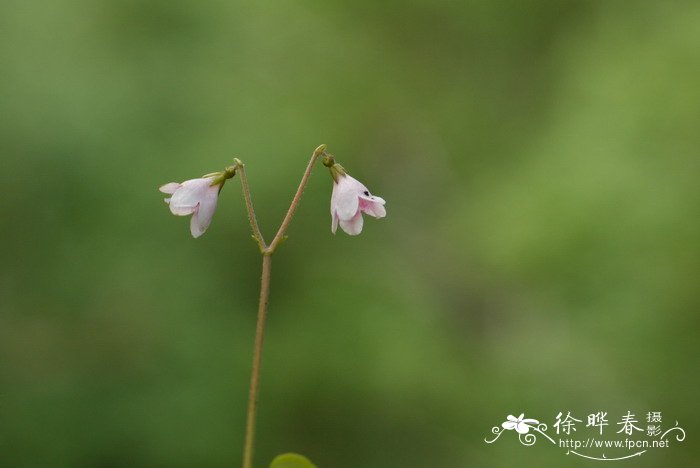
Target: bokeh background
{"points": [[540, 253]]}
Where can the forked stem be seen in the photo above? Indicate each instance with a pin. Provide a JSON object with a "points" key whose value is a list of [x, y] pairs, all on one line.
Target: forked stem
{"points": [[267, 251]]}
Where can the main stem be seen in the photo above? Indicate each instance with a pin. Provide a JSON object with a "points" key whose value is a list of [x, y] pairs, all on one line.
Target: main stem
{"points": [[257, 358]]}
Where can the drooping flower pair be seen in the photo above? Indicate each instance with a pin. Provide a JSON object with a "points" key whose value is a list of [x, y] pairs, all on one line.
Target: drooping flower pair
{"points": [[349, 199], [199, 197]]}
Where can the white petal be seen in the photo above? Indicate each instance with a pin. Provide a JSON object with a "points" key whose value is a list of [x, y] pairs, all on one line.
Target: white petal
{"points": [[201, 218], [191, 192], [509, 425], [345, 197], [510, 417], [181, 210], [354, 225], [531, 421], [194, 224], [334, 223], [169, 188]]}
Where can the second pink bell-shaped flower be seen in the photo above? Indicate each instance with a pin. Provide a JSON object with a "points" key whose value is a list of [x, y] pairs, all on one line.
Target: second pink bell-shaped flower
{"points": [[350, 198], [196, 197]]}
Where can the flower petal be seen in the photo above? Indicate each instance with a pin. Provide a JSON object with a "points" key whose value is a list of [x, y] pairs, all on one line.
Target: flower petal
{"points": [[354, 225], [509, 425], [334, 223], [344, 199], [194, 224], [375, 209], [181, 210], [169, 188], [191, 192], [510, 417], [372, 198], [201, 218]]}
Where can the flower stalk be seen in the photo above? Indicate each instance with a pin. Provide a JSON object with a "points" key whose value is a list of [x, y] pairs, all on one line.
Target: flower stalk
{"points": [[257, 235], [279, 237]]}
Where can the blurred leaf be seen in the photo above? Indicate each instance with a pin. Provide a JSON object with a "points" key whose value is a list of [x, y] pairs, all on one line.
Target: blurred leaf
{"points": [[291, 460]]}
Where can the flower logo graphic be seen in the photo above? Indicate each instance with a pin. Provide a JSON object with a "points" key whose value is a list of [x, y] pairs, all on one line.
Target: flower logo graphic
{"points": [[529, 430], [522, 426]]}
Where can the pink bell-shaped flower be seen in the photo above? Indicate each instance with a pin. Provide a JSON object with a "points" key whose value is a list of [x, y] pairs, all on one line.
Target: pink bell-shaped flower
{"points": [[196, 197], [350, 198]]}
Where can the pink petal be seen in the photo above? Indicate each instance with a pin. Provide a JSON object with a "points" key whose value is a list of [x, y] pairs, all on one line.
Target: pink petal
{"points": [[169, 188], [354, 225], [372, 208], [372, 204]]}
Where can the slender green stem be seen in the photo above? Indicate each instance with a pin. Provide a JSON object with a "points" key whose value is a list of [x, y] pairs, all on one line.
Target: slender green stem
{"points": [[267, 251], [279, 237], [257, 235], [257, 358]]}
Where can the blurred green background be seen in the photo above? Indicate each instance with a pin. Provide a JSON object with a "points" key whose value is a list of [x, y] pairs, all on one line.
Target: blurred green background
{"points": [[540, 253]]}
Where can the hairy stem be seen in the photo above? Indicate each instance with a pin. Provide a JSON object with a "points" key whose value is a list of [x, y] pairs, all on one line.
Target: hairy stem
{"points": [[257, 358], [279, 237], [267, 251], [257, 235]]}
